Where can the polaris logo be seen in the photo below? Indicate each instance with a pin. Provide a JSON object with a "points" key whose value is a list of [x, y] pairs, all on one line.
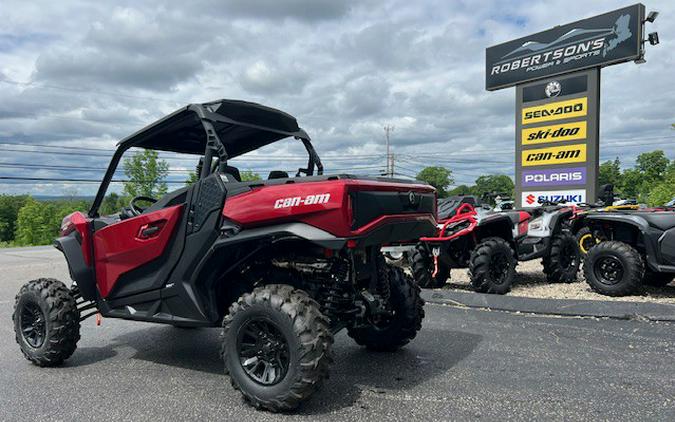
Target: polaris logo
{"points": [[565, 176], [575, 176], [295, 201]]}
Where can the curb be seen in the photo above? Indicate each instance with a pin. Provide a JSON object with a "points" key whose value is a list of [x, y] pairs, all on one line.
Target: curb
{"points": [[563, 307]]}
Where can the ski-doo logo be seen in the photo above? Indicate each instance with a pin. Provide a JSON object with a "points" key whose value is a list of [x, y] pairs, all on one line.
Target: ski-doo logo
{"points": [[554, 155], [555, 133], [555, 111], [535, 199], [295, 201]]}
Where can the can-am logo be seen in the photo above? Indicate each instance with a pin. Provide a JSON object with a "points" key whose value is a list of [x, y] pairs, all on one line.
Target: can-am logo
{"points": [[554, 155], [295, 201], [535, 199], [554, 177]]}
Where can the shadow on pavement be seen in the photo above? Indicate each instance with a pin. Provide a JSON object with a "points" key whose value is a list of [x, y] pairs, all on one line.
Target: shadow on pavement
{"points": [[355, 369]]}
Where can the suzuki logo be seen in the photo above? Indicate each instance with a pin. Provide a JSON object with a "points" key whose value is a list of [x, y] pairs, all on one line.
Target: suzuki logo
{"points": [[530, 199]]}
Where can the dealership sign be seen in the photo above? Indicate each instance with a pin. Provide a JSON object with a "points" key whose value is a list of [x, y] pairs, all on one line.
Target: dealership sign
{"points": [[535, 198], [594, 42], [557, 78]]}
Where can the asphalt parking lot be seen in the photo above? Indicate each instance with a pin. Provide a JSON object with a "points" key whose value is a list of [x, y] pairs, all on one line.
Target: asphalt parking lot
{"points": [[465, 364]]}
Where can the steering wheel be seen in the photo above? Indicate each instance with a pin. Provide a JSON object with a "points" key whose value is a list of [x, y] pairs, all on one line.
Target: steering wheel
{"points": [[137, 209]]}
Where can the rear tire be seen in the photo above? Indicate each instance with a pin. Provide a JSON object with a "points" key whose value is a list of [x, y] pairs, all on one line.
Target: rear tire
{"points": [[46, 322], [562, 264], [408, 308], [422, 266], [492, 266], [614, 268], [657, 279], [276, 347]]}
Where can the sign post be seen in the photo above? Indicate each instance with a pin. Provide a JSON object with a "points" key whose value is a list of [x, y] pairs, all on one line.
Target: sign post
{"points": [[557, 78]]}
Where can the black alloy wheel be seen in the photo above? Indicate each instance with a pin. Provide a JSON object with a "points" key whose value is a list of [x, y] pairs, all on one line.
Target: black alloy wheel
{"points": [[608, 270], [32, 323], [499, 268], [263, 351]]}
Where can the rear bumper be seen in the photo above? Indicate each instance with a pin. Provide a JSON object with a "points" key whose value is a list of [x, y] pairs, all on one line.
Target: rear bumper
{"points": [[395, 229]]}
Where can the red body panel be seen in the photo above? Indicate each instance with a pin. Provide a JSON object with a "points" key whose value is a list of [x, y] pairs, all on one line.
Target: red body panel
{"points": [[122, 247], [296, 202], [80, 222]]}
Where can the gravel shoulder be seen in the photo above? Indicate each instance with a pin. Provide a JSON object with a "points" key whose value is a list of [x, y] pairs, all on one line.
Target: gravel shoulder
{"points": [[531, 282]]}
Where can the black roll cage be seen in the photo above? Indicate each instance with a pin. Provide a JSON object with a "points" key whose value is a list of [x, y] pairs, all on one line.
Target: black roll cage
{"points": [[214, 147]]}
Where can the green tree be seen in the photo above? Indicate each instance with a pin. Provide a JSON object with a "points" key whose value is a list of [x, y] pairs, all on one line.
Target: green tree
{"points": [[494, 184], [249, 176], [652, 165], [9, 211], [663, 192], [146, 173], [111, 204], [438, 177], [192, 178], [459, 190], [38, 223], [610, 172]]}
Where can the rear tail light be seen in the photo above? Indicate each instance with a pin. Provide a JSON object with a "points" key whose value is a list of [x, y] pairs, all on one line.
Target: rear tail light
{"points": [[67, 226]]}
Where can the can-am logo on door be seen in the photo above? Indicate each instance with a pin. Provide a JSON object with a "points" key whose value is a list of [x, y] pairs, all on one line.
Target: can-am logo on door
{"points": [[535, 198], [554, 177]]}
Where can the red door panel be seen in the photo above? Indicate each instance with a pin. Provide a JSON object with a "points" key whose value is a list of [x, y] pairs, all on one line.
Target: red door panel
{"points": [[131, 243]]}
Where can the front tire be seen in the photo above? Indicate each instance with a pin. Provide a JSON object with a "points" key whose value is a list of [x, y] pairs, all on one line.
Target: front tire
{"points": [[492, 266], [585, 240], [396, 331], [614, 268], [276, 347], [562, 264], [46, 322], [422, 265]]}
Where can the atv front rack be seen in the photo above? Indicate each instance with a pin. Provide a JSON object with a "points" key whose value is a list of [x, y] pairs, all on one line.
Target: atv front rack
{"points": [[466, 212]]}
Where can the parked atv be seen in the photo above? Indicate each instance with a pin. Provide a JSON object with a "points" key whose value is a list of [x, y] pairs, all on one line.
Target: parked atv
{"points": [[281, 264], [491, 243], [635, 247]]}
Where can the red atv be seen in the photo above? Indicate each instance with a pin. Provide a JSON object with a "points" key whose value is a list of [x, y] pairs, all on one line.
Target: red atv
{"points": [[491, 243], [281, 264]]}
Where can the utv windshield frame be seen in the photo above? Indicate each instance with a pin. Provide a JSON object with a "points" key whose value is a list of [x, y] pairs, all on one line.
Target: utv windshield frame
{"points": [[222, 129]]}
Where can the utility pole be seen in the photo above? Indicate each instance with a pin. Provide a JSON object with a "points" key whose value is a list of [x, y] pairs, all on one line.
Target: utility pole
{"points": [[390, 162]]}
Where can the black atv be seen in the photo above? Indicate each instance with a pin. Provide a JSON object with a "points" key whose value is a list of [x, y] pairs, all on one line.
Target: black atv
{"points": [[635, 247]]}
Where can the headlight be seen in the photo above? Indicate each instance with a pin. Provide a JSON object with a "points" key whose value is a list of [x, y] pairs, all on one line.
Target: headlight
{"points": [[536, 224]]}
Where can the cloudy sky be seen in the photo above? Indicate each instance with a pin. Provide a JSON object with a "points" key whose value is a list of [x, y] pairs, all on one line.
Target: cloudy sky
{"points": [[83, 74]]}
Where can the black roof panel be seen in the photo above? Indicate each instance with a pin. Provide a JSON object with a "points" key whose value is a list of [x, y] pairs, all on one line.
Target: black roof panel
{"points": [[241, 126]]}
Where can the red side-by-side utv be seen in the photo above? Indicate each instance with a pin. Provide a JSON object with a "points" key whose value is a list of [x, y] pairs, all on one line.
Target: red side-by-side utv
{"points": [[282, 264]]}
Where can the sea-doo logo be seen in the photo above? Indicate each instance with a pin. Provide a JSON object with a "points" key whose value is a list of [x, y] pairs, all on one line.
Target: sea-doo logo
{"points": [[534, 199], [553, 89], [554, 155], [553, 177], [555, 111], [555, 133], [295, 201]]}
